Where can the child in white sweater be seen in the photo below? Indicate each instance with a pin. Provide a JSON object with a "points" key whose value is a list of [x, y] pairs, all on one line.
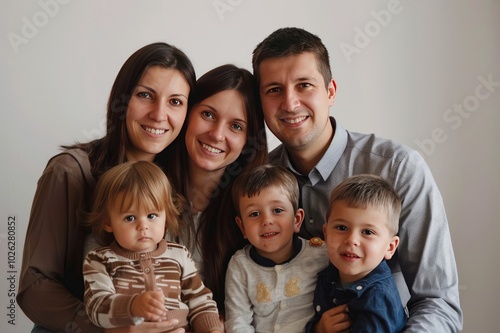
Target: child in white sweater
{"points": [[270, 283]]}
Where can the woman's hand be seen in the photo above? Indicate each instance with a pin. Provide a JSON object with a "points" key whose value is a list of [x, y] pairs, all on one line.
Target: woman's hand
{"points": [[169, 326]]}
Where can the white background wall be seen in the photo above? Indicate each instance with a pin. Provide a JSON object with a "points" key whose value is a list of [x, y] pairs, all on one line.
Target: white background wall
{"points": [[403, 69]]}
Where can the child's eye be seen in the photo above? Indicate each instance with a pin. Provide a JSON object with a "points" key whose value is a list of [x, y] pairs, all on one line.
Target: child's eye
{"points": [[278, 210], [368, 232], [341, 228], [152, 216], [254, 214], [129, 218]]}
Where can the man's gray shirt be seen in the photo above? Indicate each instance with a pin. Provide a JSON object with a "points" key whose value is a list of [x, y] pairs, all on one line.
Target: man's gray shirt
{"points": [[424, 258]]}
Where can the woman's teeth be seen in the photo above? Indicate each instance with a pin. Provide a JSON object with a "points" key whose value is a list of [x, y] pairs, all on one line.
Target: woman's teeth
{"points": [[211, 149], [154, 130]]}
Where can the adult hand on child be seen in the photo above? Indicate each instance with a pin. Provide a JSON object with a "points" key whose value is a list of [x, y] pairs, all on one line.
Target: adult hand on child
{"points": [[150, 327]]}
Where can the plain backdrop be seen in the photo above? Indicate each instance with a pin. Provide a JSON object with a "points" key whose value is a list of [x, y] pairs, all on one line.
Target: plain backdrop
{"points": [[423, 73]]}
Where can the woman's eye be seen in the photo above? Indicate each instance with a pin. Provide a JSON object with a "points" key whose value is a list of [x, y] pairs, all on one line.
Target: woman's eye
{"points": [[207, 114], [144, 94], [237, 127], [176, 101]]}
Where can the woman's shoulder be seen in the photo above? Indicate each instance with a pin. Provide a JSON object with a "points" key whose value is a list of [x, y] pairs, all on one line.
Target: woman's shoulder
{"points": [[72, 161], [70, 157]]}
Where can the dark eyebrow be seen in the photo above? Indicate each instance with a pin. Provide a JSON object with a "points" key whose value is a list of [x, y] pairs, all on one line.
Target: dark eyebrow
{"points": [[154, 91]]}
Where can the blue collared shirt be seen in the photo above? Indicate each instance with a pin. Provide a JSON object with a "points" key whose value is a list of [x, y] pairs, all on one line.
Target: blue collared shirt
{"points": [[373, 302]]}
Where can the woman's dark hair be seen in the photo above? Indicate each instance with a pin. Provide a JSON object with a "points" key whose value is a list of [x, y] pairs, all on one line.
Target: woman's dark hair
{"points": [[218, 236], [110, 150]]}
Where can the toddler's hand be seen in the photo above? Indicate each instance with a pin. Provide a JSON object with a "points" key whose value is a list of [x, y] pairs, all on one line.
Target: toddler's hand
{"points": [[149, 305]]}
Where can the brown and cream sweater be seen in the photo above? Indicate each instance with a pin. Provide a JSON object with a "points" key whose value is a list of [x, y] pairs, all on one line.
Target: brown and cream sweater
{"points": [[114, 276]]}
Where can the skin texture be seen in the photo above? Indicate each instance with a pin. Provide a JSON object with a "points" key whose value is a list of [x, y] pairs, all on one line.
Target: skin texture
{"points": [[296, 106], [156, 112], [269, 221]]}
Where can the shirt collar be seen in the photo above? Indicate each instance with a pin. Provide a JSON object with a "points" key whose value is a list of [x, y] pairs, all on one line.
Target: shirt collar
{"points": [[296, 247], [325, 166]]}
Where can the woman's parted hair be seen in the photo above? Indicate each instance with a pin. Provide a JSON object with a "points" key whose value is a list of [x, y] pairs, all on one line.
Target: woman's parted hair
{"points": [[364, 190], [140, 184]]}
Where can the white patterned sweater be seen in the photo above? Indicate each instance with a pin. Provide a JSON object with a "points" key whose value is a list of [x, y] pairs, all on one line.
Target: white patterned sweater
{"points": [[272, 299]]}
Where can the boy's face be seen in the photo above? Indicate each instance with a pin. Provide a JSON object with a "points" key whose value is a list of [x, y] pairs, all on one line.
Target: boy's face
{"points": [[357, 240], [137, 229], [268, 221]]}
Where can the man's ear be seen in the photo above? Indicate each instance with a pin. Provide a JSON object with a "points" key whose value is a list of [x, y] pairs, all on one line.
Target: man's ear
{"points": [[332, 90], [298, 219], [242, 227], [391, 248]]}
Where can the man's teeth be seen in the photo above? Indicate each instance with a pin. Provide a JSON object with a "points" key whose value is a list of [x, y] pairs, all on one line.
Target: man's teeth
{"points": [[294, 120], [154, 130], [211, 149]]}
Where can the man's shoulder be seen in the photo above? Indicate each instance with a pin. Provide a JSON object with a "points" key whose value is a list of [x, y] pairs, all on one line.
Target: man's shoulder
{"points": [[379, 146]]}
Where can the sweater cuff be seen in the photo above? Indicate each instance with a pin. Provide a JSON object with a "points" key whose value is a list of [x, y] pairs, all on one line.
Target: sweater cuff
{"points": [[207, 322]]}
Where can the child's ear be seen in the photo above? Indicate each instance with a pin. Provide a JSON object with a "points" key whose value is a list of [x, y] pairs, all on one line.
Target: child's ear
{"points": [[242, 227], [107, 227], [391, 248], [298, 219]]}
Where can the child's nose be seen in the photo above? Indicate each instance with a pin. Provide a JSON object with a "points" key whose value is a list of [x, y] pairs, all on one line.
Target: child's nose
{"points": [[352, 239]]}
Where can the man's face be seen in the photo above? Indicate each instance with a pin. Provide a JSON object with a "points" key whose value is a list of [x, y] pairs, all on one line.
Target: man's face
{"points": [[295, 101]]}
